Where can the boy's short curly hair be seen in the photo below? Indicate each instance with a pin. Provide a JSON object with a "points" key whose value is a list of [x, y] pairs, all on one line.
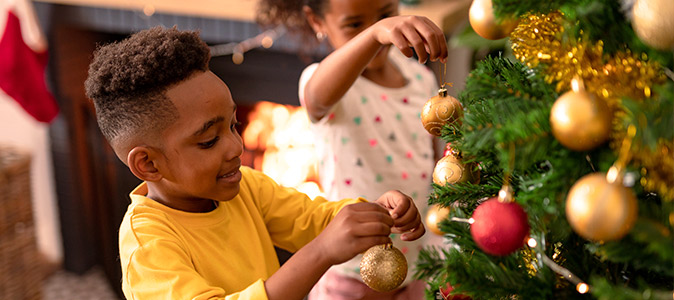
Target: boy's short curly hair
{"points": [[128, 79]]}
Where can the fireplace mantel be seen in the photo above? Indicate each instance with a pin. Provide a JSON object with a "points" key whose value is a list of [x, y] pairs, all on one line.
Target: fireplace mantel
{"points": [[445, 13]]}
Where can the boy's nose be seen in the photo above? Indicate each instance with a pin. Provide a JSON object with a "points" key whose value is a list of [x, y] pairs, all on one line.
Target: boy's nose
{"points": [[234, 147]]}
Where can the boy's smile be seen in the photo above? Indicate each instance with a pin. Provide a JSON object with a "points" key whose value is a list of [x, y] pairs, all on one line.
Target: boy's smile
{"points": [[200, 153]]}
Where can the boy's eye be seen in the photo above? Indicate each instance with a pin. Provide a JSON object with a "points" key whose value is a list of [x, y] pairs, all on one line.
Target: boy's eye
{"points": [[210, 143], [384, 16]]}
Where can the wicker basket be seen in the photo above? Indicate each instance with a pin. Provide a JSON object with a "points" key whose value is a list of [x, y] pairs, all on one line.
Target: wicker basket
{"points": [[20, 270]]}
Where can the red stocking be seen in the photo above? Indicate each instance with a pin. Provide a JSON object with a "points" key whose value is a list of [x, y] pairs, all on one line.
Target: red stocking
{"points": [[22, 73]]}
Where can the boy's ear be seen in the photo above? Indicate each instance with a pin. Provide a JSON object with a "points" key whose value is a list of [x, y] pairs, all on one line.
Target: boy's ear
{"points": [[314, 20], [142, 162]]}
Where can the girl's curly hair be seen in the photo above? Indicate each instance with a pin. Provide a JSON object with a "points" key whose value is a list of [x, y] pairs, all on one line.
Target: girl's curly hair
{"points": [[290, 14], [127, 79]]}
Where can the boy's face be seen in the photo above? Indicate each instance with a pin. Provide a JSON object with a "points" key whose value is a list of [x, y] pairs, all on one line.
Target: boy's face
{"points": [[202, 149], [344, 19]]}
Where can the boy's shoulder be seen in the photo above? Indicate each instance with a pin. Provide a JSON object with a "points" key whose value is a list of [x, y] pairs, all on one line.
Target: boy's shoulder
{"points": [[144, 212]]}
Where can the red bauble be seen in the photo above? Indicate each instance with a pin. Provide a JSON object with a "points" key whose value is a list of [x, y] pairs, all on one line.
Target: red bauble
{"points": [[448, 289], [499, 228]]}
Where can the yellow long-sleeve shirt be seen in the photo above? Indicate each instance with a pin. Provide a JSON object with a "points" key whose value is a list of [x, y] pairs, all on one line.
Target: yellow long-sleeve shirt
{"points": [[223, 254]]}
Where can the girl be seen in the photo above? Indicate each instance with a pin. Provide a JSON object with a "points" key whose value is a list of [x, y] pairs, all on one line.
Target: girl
{"points": [[364, 101]]}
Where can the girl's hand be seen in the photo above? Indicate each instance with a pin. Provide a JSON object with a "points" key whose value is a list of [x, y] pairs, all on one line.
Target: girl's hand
{"points": [[406, 218], [418, 32]]}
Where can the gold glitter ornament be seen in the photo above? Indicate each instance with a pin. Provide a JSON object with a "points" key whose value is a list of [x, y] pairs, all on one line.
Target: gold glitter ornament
{"points": [[653, 22], [579, 121], [434, 216], [383, 268], [600, 210], [484, 23], [440, 110], [450, 169]]}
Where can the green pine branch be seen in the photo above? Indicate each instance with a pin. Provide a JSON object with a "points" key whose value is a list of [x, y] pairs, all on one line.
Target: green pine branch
{"points": [[507, 110], [505, 130]]}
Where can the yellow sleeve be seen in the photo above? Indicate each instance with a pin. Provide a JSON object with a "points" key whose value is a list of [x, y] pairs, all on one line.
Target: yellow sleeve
{"points": [[158, 267], [291, 217]]}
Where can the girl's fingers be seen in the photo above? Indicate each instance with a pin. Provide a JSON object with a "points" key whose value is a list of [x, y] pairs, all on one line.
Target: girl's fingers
{"points": [[399, 41], [410, 221], [415, 234], [400, 206], [436, 39], [416, 41], [428, 31]]}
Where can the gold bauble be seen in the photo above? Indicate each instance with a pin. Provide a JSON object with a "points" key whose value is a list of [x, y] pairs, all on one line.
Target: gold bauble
{"points": [[579, 121], [653, 22], [440, 110], [451, 170], [434, 216], [383, 268], [481, 18], [599, 210]]}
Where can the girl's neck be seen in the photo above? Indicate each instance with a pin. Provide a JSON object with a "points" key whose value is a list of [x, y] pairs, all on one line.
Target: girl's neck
{"points": [[387, 75]]}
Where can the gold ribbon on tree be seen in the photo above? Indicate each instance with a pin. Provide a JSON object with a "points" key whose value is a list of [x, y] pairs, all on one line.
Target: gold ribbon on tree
{"points": [[538, 41]]}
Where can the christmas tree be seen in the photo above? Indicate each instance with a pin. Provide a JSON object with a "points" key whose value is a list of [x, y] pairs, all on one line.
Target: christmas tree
{"points": [[558, 181]]}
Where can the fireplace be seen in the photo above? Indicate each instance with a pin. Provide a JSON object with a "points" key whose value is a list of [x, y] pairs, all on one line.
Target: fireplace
{"points": [[279, 142]]}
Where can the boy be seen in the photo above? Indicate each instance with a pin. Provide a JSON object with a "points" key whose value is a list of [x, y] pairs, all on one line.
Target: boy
{"points": [[201, 226]]}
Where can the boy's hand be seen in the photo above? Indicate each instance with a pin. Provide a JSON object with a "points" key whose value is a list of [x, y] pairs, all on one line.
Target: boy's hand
{"points": [[405, 214], [418, 32], [354, 229]]}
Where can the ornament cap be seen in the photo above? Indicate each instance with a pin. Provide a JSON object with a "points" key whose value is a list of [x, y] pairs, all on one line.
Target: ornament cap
{"points": [[577, 84], [505, 195], [442, 92]]}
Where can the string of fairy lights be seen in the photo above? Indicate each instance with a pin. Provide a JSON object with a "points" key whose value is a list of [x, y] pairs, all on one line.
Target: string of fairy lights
{"points": [[237, 50]]}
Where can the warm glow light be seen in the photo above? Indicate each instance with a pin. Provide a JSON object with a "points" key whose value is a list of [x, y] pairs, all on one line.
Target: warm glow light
{"points": [[237, 58], [148, 10], [478, 14], [311, 189], [576, 85], [471, 221], [561, 114], [267, 42], [582, 288], [432, 219], [532, 243], [502, 194], [612, 174], [281, 140]]}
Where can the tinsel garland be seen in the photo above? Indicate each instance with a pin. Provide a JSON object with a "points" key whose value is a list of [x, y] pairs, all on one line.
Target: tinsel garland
{"points": [[538, 41]]}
